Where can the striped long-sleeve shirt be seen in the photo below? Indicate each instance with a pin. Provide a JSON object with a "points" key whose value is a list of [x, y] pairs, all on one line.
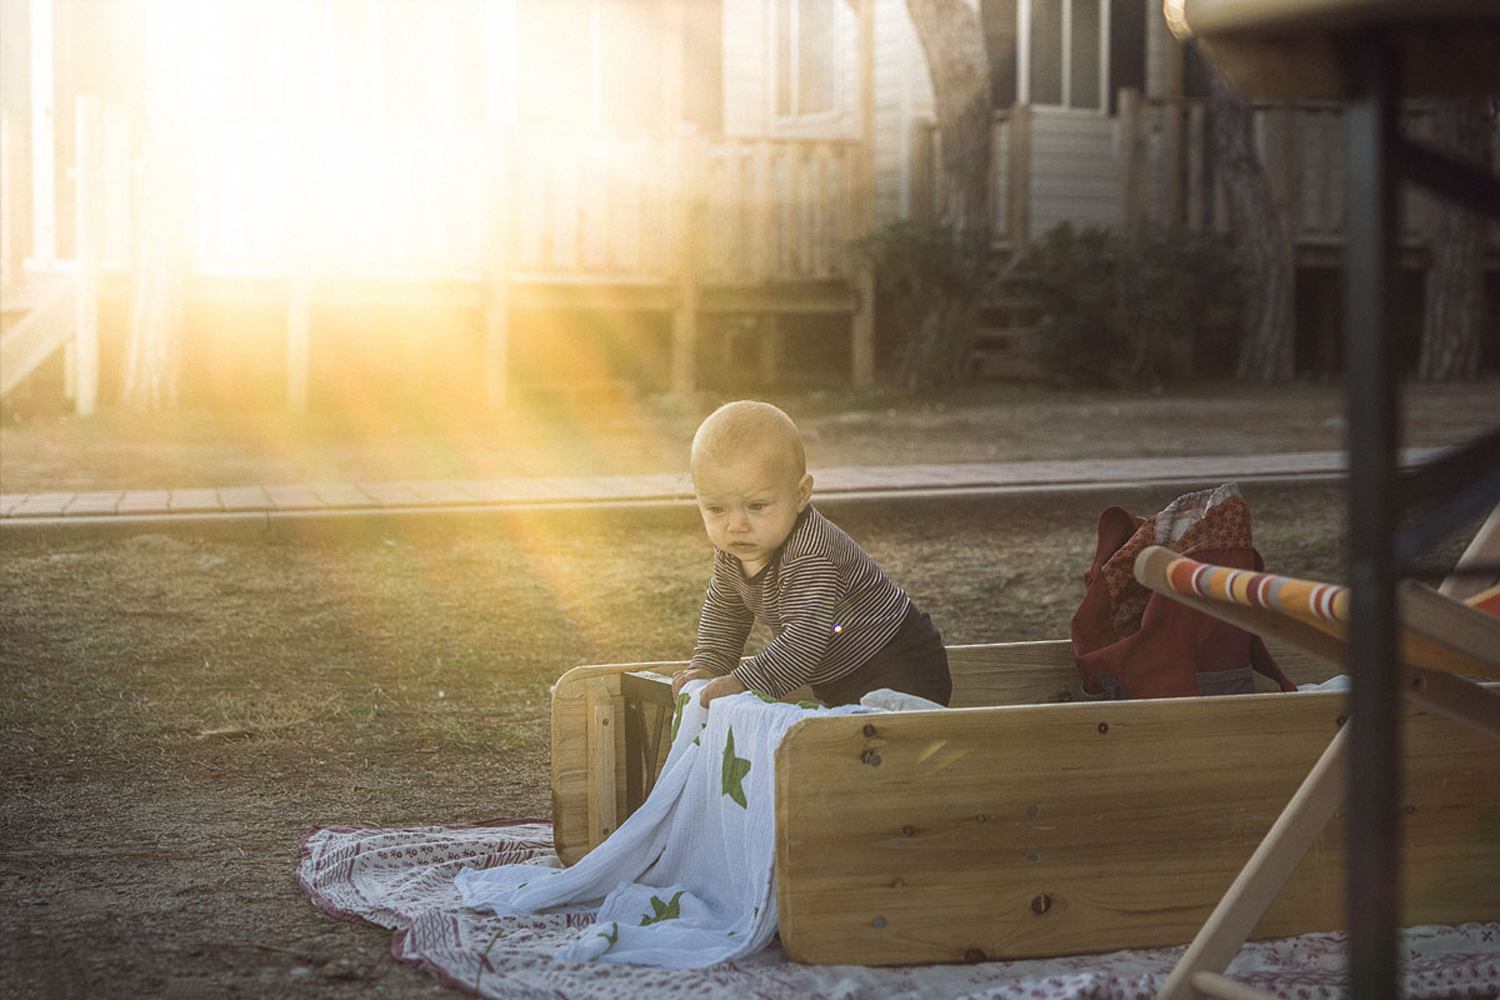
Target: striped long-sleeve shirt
{"points": [[828, 605]]}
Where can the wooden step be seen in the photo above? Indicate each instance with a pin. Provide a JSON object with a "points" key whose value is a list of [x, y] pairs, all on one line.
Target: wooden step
{"points": [[36, 335]]}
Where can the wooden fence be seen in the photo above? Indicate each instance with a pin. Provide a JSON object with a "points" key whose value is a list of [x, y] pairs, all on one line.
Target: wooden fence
{"points": [[423, 202]]}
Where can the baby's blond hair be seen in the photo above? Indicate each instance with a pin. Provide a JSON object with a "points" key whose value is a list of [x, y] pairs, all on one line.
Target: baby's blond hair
{"points": [[748, 427]]}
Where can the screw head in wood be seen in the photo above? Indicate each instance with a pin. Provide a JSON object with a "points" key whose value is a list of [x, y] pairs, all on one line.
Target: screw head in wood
{"points": [[975, 955], [1103, 727], [1041, 904], [869, 730]]}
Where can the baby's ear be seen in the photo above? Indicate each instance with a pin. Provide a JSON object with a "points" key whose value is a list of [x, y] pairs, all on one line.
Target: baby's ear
{"points": [[804, 490]]}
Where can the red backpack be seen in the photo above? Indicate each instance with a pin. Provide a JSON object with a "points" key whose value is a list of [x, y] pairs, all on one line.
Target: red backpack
{"points": [[1130, 642]]}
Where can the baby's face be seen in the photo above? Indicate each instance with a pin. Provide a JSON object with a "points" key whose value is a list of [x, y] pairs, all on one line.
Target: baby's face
{"points": [[749, 505]]}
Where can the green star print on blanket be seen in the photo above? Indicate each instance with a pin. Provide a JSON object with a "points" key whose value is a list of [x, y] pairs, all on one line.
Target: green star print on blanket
{"points": [[688, 880], [735, 769]]}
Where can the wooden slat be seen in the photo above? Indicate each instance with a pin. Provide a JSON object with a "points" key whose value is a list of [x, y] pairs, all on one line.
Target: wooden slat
{"points": [[1441, 619], [765, 211], [1069, 829], [572, 780], [606, 786], [822, 201], [1197, 130], [1295, 830]]}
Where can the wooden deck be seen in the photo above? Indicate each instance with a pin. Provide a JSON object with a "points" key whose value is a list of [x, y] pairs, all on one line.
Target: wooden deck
{"points": [[486, 220]]}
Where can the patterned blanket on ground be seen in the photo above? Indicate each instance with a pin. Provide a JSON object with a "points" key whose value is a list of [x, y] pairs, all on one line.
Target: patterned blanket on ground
{"points": [[687, 883], [403, 879]]}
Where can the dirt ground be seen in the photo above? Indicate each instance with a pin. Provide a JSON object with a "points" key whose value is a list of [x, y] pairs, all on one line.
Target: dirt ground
{"points": [[176, 711]]}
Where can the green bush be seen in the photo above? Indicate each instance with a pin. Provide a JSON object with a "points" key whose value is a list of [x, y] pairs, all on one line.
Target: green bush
{"points": [[934, 287], [1131, 307]]}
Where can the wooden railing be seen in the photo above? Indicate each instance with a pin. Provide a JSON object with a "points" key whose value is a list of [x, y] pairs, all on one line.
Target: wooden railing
{"points": [[1164, 176], [1162, 152], [699, 223], [1302, 148], [611, 207]]}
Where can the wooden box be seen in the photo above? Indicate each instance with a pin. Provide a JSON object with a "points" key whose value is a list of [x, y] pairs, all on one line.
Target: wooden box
{"points": [[1024, 822]]}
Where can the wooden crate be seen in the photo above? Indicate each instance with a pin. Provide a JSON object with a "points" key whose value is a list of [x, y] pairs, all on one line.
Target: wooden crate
{"points": [[1027, 823]]}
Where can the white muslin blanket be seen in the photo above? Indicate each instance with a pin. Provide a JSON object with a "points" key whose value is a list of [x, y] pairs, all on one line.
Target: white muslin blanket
{"points": [[689, 879]]}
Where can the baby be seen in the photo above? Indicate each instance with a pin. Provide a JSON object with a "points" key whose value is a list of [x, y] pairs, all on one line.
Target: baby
{"points": [[837, 621]]}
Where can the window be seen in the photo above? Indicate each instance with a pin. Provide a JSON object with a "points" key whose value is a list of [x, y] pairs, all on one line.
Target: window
{"points": [[589, 64], [1063, 57], [806, 57]]}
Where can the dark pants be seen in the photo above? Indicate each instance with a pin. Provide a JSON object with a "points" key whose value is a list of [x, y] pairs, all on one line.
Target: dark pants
{"points": [[913, 662]]}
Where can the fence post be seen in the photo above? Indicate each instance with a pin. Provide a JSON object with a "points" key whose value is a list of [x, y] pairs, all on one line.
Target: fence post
{"points": [[1197, 115], [43, 139], [89, 250], [764, 230], [862, 323], [1131, 174], [1171, 163], [10, 201]]}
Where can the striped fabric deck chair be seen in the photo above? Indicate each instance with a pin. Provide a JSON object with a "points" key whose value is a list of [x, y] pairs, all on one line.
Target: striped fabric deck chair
{"points": [[1444, 644]]}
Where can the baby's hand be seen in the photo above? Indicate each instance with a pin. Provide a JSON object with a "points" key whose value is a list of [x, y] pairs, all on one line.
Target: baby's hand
{"points": [[681, 677], [719, 687]]}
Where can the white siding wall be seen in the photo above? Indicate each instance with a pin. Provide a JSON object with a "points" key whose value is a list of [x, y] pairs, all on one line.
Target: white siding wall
{"points": [[1074, 171], [747, 67], [750, 75], [903, 100]]}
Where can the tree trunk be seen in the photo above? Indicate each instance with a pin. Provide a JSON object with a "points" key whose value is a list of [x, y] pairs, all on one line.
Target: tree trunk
{"points": [[953, 41], [1267, 349], [1454, 312]]}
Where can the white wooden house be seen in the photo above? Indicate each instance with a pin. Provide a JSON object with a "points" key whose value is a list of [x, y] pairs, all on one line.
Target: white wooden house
{"points": [[435, 191], [488, 168]]}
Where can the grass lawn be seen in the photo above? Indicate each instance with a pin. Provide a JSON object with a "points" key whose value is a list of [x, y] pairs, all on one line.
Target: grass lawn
{"points": [[177, 711]]}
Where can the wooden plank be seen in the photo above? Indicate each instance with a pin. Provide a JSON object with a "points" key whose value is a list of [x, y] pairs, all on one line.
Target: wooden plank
{"points": [[1066, 829], [1295, 830], [1036, 673], [765, 211], [606, 757], [11, 145], [822, 203], [795, 235], [43, 137], [1197, 130], [1132, 207], [117, 186], [572, 780], [987, 674], [1170, 168], [1441, 619]]}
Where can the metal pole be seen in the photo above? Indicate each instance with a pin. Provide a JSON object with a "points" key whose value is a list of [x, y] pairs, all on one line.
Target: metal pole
{"points": [[1373, 850]]}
